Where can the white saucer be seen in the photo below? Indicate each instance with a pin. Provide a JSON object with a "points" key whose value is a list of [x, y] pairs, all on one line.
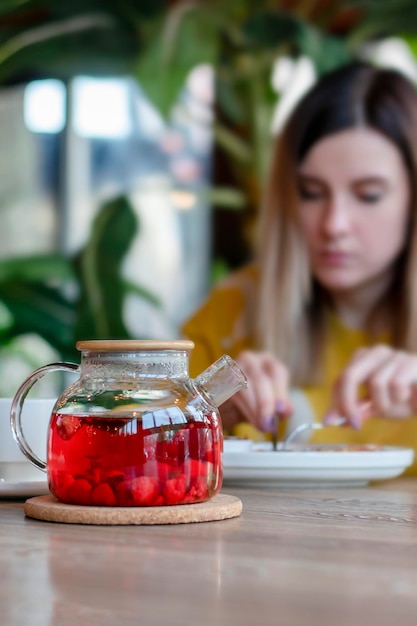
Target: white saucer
{"points": [[23, 488]]}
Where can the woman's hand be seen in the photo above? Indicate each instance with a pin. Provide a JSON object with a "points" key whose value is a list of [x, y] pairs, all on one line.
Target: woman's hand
{"points": [[389, 378], [266, 395]]}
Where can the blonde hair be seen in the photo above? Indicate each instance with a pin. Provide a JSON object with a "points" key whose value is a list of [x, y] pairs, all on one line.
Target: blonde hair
{"points": [[291, 305]]}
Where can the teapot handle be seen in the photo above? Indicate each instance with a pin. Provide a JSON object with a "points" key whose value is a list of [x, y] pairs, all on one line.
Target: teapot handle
{"points": [[17, 406]]}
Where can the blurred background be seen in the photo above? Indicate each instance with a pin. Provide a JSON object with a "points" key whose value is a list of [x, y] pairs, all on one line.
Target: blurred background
{"points": [[134, 141]]}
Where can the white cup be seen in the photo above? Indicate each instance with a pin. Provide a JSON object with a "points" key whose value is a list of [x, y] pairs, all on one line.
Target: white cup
{"points": [[14, 466]]}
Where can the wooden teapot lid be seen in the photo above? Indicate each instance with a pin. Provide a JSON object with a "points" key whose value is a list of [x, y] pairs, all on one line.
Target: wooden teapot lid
{"points": [[133, 345]]}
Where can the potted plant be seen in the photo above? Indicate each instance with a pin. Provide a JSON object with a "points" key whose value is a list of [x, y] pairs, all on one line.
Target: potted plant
{"points": [[63, 299]]}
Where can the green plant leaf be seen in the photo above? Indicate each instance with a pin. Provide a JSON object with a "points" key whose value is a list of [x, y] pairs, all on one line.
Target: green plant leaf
{"points": [[45, 38], [411, 41], [6, 318], [100, 305], [89, 44], [227, 198], [233, 144], [12, 6], [143, 293], [36, 308], [326, 52], [383, 19], [177, 43], [269, 29], [51, 268]]}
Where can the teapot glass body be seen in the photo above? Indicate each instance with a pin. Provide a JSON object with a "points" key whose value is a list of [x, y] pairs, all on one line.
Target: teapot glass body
{"points": [[134, 429]]}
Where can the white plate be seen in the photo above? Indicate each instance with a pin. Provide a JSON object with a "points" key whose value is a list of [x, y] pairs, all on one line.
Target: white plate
{"points": [[23, 488], [234, 444], [262, 466]]}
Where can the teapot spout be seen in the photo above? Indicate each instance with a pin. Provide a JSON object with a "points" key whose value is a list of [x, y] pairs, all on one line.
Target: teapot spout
{"points": [[221, 380]]}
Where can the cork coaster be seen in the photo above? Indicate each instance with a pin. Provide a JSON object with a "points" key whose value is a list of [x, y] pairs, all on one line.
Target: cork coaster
{"points": [[49, 509]]}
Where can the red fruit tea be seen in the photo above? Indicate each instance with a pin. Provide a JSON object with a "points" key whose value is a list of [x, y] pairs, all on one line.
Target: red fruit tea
{"points": [[107, 461]]}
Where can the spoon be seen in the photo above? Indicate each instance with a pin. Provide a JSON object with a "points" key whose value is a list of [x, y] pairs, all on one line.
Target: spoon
{"points": [[308, 426]]}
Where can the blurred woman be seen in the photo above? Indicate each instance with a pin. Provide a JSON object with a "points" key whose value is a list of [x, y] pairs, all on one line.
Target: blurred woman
{"points": [[324, 322]]}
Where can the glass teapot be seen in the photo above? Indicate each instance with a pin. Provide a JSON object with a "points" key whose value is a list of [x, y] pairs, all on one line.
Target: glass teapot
{"points": [[134, 429]]}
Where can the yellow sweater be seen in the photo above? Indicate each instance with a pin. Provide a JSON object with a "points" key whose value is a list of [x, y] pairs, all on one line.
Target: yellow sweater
{"points": [[223, 325]]}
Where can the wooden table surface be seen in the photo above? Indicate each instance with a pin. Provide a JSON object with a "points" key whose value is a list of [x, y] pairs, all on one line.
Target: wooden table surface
{"points": [[345, 556]]}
